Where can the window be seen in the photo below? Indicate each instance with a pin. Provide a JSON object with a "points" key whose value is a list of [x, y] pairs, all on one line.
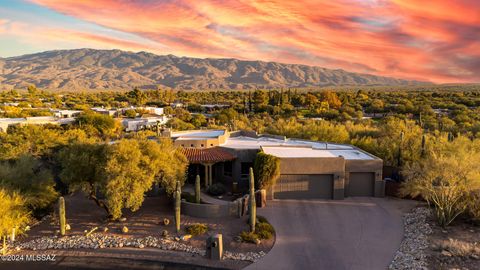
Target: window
{"points": [[191, 145], [201, 145], [227, 168], [245, 169], [211, 144]]}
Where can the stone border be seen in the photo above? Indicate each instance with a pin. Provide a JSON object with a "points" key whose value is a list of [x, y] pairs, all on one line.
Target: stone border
{"points": [[99, 241], [411, 254]]}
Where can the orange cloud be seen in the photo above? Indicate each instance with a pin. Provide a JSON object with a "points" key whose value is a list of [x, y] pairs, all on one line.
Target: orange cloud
{"points": [[436, 41]]}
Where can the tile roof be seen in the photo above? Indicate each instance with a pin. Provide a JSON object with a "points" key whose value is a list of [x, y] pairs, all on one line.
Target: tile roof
{"points": [[207, 155]]}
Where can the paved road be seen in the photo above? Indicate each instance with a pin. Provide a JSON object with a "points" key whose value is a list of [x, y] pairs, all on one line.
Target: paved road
{"points": [[357, 233]]}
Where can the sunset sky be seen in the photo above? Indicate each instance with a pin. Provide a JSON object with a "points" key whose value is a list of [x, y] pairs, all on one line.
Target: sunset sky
{"points": [[437, 40]]}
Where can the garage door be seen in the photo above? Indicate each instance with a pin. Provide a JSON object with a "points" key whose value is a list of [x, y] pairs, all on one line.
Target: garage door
{"points": [[361, 184], [304, 186]]}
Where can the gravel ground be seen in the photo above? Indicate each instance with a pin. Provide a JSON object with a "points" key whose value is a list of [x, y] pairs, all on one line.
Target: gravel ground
{"points": [[100, 241], [412, 252]]}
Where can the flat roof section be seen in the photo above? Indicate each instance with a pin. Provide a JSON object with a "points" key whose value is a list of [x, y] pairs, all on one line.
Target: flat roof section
{"points": [[306, 152], [244, 142], [198, 134]]}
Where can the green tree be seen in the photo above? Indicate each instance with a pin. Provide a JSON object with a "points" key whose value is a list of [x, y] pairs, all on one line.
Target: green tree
{"points": [[260, 99], [122, 171], [267, 170], [446, 178], [28, 177], [13, 213], [97, 124], [137, 97]]}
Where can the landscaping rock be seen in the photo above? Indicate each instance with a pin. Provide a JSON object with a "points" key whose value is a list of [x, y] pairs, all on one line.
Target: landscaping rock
{"points": [[411, 254], [166, 221], [100, 240]]}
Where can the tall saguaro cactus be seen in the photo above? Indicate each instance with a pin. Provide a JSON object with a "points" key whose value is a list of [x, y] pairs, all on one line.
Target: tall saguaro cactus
{"points": [[400, 148], [61, 215], [177, 208], [252, 204], [424, 142], [197, 189]]}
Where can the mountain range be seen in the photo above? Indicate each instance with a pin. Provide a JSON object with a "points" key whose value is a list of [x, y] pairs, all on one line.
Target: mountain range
{"points": [[89, 69]]}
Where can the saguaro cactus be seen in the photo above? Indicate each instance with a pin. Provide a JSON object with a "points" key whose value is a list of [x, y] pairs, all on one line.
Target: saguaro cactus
{"points": [[450, 136], [424, 142], [400, 148], [252, 204], [61, 215], [197, 189], [177, 209], [4, 247]]}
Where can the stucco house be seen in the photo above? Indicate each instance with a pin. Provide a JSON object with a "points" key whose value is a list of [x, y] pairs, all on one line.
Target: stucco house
{"points": [[309, 169]]}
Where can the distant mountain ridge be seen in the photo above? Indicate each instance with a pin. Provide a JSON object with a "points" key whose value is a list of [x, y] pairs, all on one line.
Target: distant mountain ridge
{"points": [[86, 69]]}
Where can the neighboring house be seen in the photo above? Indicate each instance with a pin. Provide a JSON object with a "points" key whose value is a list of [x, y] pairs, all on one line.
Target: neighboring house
{"points": [[66, 113], [136, 124], [309, 169], [5, 123], [177, 104], [111, 112], [150, 110]]}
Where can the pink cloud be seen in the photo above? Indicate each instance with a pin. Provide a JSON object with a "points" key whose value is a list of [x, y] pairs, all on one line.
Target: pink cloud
{"points": [[436, 41]]}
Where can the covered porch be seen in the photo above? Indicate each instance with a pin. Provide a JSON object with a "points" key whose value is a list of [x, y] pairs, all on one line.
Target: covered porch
{"points": [[208, 163]]}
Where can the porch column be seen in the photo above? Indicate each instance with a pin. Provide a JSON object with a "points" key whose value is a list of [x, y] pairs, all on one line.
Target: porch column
{"points": [[206, 174], [210, 174]]}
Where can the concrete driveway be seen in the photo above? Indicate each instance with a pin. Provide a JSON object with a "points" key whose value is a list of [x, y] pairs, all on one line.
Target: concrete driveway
{"points": [[356, 233]]}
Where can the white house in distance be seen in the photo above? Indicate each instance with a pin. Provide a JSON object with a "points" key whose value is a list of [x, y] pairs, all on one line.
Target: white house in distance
{"points": [[149, 110], [5, 123], [66, 113], [137, 124], [111, 112]]}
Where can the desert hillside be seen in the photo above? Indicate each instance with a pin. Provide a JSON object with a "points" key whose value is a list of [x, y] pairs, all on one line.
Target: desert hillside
{"points": [[114, 69]]}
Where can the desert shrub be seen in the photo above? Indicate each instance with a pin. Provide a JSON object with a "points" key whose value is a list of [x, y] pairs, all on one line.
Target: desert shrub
{"points": [[188, 197], [249, 237], [13, 212], [473, 207], [267, 170], [445, 179], [196, 229], [28, 176], [458, 248], [216, 189], [264, 230], [261, 219]]}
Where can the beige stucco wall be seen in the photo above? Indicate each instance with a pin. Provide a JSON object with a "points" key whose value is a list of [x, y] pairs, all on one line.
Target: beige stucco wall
{"points": [[334, 166]]}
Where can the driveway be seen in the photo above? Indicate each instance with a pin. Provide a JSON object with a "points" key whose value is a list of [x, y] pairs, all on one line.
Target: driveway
{"points": [[356, 233]]}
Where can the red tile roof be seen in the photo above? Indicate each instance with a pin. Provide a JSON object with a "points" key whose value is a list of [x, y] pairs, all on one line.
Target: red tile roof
{"points": [[207, 155]]}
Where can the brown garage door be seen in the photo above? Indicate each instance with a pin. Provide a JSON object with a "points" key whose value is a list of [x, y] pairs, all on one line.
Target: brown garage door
{"points": [[361, 184], [304, 186]]}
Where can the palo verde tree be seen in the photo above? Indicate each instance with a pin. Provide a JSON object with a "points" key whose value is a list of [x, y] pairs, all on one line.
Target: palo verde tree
{"points": [[13, 213], [28, 177], [122, 171], [446, 178], [267, 170]]}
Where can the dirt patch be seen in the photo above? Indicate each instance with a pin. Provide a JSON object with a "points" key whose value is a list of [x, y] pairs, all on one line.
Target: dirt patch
{"points": [[456, 247]]}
